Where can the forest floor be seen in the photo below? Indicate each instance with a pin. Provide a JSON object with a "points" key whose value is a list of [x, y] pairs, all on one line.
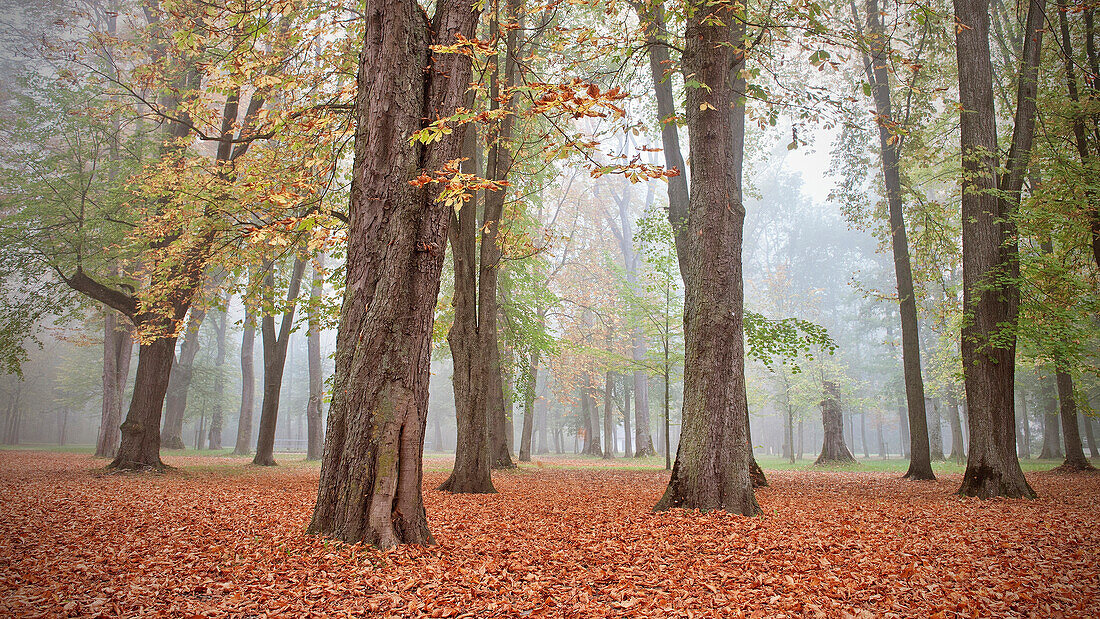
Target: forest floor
{"points": [[569, 538]]}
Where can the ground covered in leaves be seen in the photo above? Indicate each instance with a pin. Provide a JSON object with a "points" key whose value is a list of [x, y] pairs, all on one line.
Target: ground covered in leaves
{"points": [[219, 538]]}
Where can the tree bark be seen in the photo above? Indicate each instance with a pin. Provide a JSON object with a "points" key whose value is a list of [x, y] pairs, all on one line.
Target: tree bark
{"points": [[958, 450], [529, 397], [1025, 447], [608, 422], [876, 69], [248, 385], [628, 448], [118, 346], [471, 472], [1052, 440], [314, 428], [217, 414], [1075, 455], [935, 431], [371, 472], [990, 264], [1086, 421], [175, 409], [140, 446], [713, 459], [275, 347], [833, 448]]}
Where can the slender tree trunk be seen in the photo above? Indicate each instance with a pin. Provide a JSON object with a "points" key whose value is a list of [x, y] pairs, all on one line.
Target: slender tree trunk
{"points": [[833, 448], [248, 385], [275, 347], [935, 431], [217, 414], [171, 436], [529, 407], [1075, 455], [1025, 450], [876, 70], [990, 263], [608, 422], [1052, 440], [958, 450], [1086, 421], [314, 427], [882, 451], [628, 449], [371, 472], [117, 349], [863, 434], [712, 469]]}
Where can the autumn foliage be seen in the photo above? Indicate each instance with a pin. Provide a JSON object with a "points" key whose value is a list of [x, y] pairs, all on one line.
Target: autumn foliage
{"points": [[217, 539]]}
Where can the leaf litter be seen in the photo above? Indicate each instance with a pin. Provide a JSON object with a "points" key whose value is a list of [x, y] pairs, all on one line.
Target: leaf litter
{"points": [[221, 539]]}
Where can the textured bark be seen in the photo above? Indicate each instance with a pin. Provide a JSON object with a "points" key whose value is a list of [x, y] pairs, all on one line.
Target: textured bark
{"points": [[471, 472], [713, 458], [140, 446], [529, 397], [175, 404], [371, 475], [217, 412], [248, 385], [118, 346], [275, 347], [935, 431], [314, 427], [833, 448], [958, 450], [990, 265], [1052, 437], [876, 69], [1075, 455], [608, 421]]}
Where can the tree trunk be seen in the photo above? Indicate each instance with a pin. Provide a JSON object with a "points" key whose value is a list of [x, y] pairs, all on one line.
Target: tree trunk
{"points": [[542, 414], [1052, 440], [863, 434], [471, 472], [608, 422], [118, 346], [217, 414], [833, 448], [529, 407], [628, 448], [713, 459], [314, 427], [1086, 421], [882, 451], [591, 446], [958, 450], [990, 264], [935, 431], [140, 446], [876, 69], [1075, 455], [275, 347], [371, 472], [171, 436], [1025, 449], [248, 385]]}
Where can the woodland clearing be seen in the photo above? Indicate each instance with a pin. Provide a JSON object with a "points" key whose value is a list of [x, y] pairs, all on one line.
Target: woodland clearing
{"points": [[217, 538]]}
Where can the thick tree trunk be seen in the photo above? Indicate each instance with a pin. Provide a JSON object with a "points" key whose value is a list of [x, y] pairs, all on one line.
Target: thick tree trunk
{"points": [[990, 264], [217, 413], [118, 347], [713, 459], [314, 427], [1075, 455], [371, 474], [876, 69], [248, 385], [140, 446], [275, 347], [833, 448]]}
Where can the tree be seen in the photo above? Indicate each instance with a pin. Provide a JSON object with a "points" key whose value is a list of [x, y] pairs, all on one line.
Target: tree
{"points": [[833, 448], [713, 460], [876, 70], [370, 486], [990, 266]]}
